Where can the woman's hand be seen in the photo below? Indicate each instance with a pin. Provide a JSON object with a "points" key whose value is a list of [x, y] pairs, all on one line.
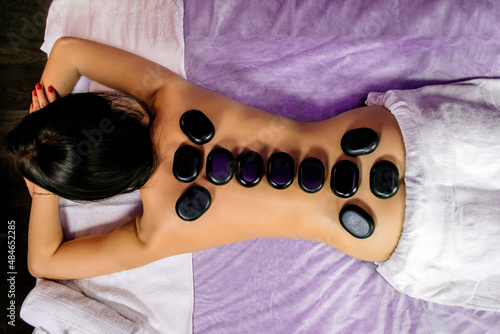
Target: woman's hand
{"points": [[42, 97]]}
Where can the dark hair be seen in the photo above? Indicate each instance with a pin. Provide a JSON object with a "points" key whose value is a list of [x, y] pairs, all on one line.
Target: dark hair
{"points": [[86, 146]]}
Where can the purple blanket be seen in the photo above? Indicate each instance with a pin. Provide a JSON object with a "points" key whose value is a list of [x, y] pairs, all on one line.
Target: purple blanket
{"points": [[311, 60]]}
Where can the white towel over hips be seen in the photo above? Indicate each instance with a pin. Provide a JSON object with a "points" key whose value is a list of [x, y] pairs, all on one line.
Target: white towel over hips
{"points": [[449, 251]]}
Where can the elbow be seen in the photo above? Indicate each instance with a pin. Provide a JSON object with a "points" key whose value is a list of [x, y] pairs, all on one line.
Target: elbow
{"points": [[62, 41], [34, 271], [36, 268]]}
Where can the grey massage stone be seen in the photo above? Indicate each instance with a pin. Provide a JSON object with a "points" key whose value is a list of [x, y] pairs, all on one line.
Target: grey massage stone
{"points": [[193, 203], [356, 221]]}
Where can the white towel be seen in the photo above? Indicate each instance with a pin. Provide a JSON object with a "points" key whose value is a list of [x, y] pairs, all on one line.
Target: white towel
{"points": [[156, 298], [152, 29], [79, 313], [449, 251]]}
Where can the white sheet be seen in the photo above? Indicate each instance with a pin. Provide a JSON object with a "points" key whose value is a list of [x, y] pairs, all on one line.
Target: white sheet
{"points": [[157, 297], [449, 251]]}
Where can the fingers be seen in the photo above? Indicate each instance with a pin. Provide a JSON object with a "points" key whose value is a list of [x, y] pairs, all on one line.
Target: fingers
{"points": [[34, 105], [42, 97], [51, 94]]}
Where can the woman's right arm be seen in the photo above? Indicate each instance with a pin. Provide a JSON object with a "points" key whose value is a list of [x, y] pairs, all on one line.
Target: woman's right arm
{"points": [[71, 58]]}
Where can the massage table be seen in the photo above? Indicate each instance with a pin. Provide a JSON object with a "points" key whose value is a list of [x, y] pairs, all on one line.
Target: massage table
{"points": [[308, 60]]}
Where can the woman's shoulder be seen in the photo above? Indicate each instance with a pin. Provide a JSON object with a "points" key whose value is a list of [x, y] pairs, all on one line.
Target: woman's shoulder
{"points": [[178, 94]]}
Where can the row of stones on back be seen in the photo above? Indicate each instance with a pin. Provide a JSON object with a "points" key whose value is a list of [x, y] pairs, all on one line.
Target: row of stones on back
{"points": [[248, 169]]}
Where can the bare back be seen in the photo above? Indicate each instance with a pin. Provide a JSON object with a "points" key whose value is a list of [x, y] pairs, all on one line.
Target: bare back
{"points": [[238, 213]]}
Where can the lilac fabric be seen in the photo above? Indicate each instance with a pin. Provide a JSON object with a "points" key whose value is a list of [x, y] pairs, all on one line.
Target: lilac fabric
{"points": [[311, 60]]}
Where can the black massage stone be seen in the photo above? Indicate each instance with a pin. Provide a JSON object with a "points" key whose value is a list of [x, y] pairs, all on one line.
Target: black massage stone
{"points": [[384, 179], [193, 203], [187, 164], [311, 175], [357, 221], [280, 170], [197, 127], [345, 178], [250, 168], [360, 141], [220, 166]]}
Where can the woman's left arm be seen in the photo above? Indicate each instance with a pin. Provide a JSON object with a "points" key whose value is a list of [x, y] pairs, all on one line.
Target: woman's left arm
{"points": [[45, 233], [50, 257]]}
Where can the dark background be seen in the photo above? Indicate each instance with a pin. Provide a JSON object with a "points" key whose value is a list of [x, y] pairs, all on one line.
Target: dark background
{"points": [[22, 27]]}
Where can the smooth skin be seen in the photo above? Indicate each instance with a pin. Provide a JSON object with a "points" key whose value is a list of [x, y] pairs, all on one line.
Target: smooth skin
{"points": [[237, 213]]}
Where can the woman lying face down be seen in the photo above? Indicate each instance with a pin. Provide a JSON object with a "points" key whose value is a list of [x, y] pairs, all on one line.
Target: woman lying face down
{"points": [[210, 170]]}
